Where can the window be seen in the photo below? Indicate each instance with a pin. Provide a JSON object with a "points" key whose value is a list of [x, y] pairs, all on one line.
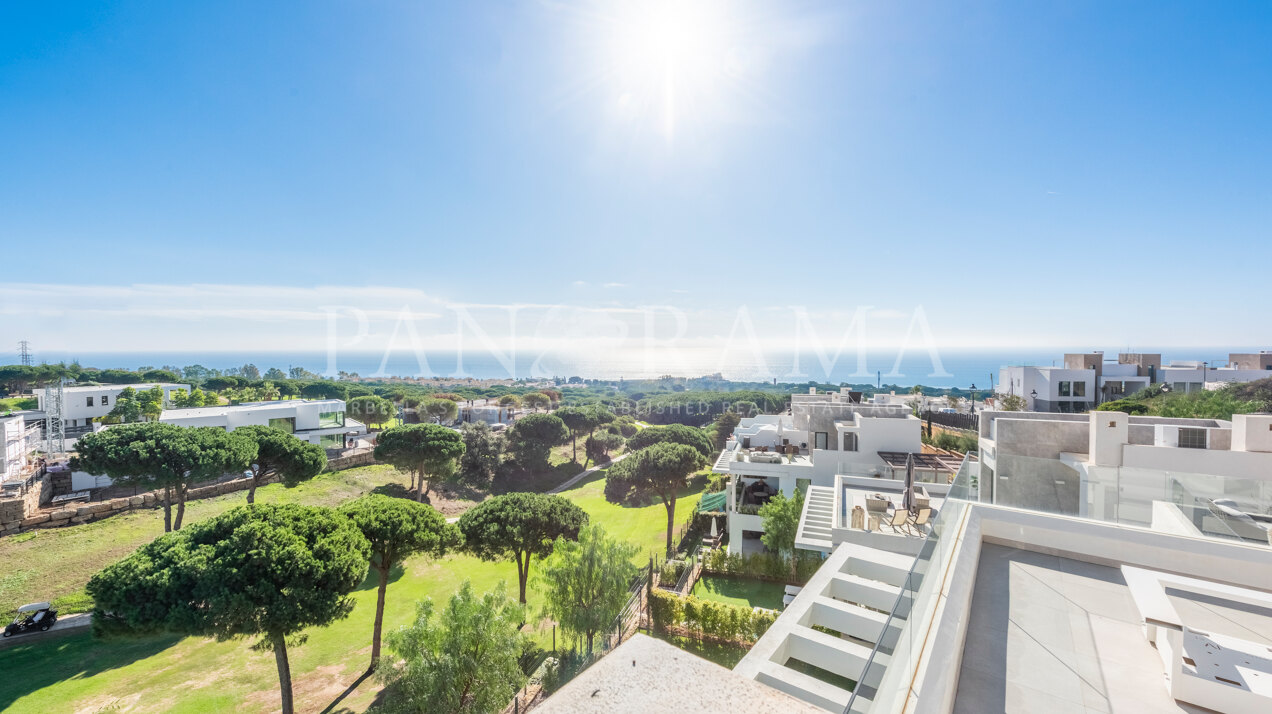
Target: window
{"points": [[287, 424], [89, 400], [329, 420], [1079, 389], [331, 441], [820, 440], [1064, 389], [1192, 438], [850, 441], [105, 400]]}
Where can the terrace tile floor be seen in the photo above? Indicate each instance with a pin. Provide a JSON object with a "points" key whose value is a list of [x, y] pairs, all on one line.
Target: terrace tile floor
{"points": [[1051, 634]]}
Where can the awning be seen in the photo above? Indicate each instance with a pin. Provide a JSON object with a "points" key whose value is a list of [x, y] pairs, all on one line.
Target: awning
{"points": [[712, 501]]}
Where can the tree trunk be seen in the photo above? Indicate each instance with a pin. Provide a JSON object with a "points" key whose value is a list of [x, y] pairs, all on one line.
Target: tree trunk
{"points": [[671, 519], [379, 619], [167, 509], [284, 672], [574, 447], [181, 499], [523, 574], [419, 491], [589, 642]]}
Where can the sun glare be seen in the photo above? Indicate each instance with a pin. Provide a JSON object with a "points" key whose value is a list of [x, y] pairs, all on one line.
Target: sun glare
{"points": [[672, 60]]}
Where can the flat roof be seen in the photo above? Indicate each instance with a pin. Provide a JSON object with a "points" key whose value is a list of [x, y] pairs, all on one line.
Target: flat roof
{"points": [[225, 409], [1049, 633], [645, 674], [99, 387]]}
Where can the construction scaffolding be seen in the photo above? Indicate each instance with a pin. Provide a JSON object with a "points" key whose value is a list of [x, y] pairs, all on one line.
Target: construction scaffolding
{"points": [[24, 353], [54, 426]]}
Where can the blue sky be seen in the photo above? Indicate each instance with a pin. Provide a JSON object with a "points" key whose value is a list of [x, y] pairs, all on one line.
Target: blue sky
{"points": [[1071, 173]]}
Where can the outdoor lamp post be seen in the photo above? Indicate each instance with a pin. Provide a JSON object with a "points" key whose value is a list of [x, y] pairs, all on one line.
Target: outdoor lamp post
{"points": [[1033, 394], [973, 398]]}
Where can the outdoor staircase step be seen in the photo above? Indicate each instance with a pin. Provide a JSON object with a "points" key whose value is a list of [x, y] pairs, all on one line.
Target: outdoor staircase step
{"points": [[863, 591]]}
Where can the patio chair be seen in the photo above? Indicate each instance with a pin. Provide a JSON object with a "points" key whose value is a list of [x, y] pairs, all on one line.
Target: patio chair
{"points": [[897, 521], [918, 520]]}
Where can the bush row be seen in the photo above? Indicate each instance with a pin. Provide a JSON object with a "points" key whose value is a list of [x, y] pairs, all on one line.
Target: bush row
{"points": [[707, 619], [762, 566]]}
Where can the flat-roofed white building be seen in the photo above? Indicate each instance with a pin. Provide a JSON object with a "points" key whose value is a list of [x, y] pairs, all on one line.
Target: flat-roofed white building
{"points": [[319, 421], [81, 404], [1087, 379], [824, 436], [1005, 609]]}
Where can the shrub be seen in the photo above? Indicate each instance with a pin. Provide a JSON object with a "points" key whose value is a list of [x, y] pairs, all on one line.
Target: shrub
{"points": [[707, 619], [670, 572], [762, 566]]}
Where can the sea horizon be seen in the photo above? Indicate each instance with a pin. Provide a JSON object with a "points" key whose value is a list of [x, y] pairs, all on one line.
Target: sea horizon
{"points": [[947, 368]]}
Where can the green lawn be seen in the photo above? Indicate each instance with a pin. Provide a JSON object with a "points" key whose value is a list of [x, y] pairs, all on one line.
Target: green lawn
{"points": [[740, 591], [17, 404], [78, 674], [54, 564], [726, 656]]}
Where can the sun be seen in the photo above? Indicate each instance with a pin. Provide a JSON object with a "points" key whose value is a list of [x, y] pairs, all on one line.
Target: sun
{"points": [[672, 61]]}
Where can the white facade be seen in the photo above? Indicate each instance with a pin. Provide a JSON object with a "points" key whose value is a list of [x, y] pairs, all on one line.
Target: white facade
{"points": [[13, 446], [1050, 389], [1087, 379], [823, 436], [82, 404], [1213, 473], [320, 421]]}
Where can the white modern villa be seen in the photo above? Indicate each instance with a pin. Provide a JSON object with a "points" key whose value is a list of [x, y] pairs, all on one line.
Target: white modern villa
{"points": [[1088, 379], [1087, 563], [318, 421], [825, 439], [81, 404]]}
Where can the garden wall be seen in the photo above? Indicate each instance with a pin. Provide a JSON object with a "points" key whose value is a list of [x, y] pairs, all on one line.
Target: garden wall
{"points": [[24, 513], [77, 513]]}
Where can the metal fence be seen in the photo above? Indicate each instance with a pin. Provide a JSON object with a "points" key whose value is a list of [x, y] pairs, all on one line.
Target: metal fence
{"points": [[967, 422]]}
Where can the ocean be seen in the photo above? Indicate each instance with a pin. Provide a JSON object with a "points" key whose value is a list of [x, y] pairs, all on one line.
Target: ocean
{"points": [[942, 369]]}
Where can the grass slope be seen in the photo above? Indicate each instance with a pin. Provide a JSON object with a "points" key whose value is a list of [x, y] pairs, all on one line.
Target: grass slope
{"points": [[79, 674]]}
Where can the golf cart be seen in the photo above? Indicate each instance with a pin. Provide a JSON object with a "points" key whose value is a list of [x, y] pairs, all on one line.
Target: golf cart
{"points": [[36, 616]]}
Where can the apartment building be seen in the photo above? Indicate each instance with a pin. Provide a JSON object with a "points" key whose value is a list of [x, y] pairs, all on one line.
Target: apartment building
{"points": [[318, 421], [823, 436], [1216, 474], [81, 404], [1013, 608], [1087, 379]]}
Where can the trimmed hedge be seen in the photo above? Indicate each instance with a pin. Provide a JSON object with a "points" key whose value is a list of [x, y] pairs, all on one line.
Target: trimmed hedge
{"points": [[707, 619], [761, 566]]}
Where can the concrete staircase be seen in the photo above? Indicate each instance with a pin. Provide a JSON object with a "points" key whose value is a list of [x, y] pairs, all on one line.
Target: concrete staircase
{"points": [[722, 461], [834, 624], [816, 521]]}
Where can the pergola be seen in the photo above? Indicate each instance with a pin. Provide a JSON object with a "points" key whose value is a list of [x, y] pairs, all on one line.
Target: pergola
{"points": [[933, 463]]}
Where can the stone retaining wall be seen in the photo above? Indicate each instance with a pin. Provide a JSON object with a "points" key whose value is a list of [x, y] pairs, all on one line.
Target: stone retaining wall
{"points": [[347, 462], [20, 514], [77, 513]]}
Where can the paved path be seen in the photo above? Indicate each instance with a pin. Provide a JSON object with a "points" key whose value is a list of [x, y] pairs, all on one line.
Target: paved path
{"points": [[587, 473], [573, 479], [62, 626]]}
